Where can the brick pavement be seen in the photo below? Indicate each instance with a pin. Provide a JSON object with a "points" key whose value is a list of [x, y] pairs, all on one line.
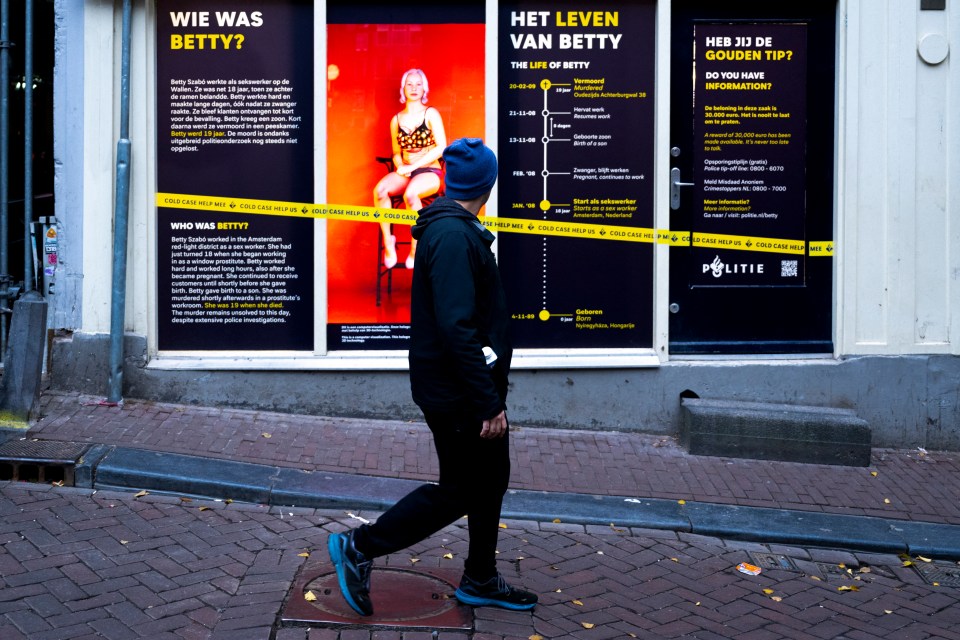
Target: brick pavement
{"points": [[84, 564], [900, 484]]}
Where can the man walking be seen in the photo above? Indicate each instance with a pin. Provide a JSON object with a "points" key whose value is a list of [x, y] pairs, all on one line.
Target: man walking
{"points": [[460, 356]]}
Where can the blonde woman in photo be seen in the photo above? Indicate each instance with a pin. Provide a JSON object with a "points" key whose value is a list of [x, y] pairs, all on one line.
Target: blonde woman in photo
{"points": [[418, 140]]}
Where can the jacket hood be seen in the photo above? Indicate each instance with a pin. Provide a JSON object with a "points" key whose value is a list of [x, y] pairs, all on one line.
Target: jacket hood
{"points": [[443, 208]]}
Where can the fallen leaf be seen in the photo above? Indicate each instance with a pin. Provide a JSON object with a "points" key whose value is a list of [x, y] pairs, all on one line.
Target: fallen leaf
{"points": [[204, 508], [303, 555], [58, 483], [556, 521], [228, 501], [414, 560], [309, 596], [503, 525], [873, 473], [612, 526], [776, 598], [124, 542], [675, 559], [141, 494], [185, 499], [887, 611], [924, 559], [265, 435], [848, 587], [588, 625], [886, 501], [864, 569], [577, 602], [681, 502], [842, 565], [936, 584], [535, 637], [817, 578], [448, 556], [768, 591], [599, 553], [697, 603]]}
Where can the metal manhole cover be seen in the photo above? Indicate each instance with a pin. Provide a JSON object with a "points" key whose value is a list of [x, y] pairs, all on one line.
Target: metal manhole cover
{"points": [[401, 598], [944, 574], [43, 451]]}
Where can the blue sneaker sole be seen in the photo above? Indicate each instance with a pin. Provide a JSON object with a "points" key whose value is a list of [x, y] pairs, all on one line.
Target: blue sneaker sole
{"points": [[477, 601], [335, 548]]}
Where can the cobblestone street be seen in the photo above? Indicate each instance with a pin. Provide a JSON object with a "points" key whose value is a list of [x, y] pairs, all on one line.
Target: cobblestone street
{"points": [[98, 564]]}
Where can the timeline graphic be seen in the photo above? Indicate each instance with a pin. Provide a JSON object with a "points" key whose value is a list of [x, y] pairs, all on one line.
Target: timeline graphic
{"points": [[561, 132], [576, 145]]}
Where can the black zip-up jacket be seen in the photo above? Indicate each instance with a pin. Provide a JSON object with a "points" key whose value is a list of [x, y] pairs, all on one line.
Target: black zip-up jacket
{"points": [[457, 307]]}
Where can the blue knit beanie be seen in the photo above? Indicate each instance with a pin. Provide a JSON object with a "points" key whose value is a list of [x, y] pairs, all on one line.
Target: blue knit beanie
{"points": [[471, 169]]}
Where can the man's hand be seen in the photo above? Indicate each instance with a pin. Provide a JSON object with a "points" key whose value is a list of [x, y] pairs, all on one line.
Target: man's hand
{"points": [[495, 427]]}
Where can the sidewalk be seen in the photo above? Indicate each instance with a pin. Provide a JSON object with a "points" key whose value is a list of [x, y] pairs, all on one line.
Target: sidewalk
{"points": [[592, 477], [102, 563]]}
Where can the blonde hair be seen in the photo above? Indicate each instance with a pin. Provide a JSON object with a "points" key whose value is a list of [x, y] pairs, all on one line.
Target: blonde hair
{"points": [[403, 83]]}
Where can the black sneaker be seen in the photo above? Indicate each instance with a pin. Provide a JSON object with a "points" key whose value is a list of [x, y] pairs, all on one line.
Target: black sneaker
{"points": [[353, 572], [495, 592]]}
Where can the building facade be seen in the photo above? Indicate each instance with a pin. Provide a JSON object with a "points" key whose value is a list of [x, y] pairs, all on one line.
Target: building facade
{"points": [[694, 200]]}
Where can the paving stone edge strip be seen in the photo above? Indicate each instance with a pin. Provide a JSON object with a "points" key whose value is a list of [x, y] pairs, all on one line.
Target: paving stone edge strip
{"points": [[121, 468]]}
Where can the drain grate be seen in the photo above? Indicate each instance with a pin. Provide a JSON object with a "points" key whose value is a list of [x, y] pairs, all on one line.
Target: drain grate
{"points": [[830, 570], [941, 573], [40, 461], [773, 561]]}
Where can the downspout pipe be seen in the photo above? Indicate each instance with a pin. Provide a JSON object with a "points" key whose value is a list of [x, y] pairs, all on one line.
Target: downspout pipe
{"points": [[29, 281], [120, 219], [5, 290]]}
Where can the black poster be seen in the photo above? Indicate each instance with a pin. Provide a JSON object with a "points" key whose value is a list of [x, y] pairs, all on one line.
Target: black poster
{"points": [[749, 154], [576, 125], [235, 83]]}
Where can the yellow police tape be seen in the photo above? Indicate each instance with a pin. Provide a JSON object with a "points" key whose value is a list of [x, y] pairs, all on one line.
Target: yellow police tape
{"points": [[359, 213]]}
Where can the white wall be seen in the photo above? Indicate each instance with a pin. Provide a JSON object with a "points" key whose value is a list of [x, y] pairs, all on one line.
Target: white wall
{"points": [[68, 105], [100, 77], [899, 218]]}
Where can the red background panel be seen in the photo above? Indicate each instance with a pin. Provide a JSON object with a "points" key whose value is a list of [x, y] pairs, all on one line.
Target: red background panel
{"points": [[370, 60]]}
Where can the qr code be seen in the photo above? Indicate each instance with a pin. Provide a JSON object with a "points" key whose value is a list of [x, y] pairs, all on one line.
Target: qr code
{"points": [[788, 268]]}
